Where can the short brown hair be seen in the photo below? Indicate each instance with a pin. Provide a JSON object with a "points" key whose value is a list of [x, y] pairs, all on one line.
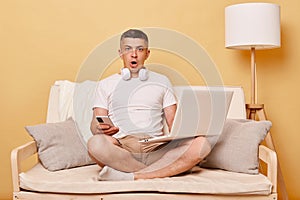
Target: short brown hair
{"points": [[134, 33]]}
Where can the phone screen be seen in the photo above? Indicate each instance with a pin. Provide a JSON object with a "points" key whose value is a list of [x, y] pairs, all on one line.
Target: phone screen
{"points": [[104, 119], [100, 120]]}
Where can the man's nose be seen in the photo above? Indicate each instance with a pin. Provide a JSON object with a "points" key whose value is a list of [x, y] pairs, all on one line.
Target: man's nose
{"points": [[133, 53]]}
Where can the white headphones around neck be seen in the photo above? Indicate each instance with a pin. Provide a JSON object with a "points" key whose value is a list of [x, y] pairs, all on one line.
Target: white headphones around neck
{"points": [[126, 74]]}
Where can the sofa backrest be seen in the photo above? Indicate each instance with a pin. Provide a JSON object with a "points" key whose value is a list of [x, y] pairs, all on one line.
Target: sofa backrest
{"points": [[236, 110], [66, 96]]}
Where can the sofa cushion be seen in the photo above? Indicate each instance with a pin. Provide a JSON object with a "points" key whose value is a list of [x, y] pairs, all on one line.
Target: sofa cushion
{"points": [[237, 147], [59, 145], [83, 180]]}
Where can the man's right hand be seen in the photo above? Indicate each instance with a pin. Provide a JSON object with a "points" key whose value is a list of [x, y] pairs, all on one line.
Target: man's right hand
{"points": [[106, 129], [102, 128]]}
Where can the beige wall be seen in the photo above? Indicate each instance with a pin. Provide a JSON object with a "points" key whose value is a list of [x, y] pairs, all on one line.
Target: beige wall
{"points": [[44, 41]]}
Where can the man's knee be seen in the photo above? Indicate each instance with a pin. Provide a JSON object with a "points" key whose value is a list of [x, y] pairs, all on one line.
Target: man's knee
{"points": [[95, 143], [204, 147]]}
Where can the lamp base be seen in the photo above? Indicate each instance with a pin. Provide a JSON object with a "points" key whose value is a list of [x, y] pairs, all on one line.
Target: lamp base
{"points": [[253, 109]]}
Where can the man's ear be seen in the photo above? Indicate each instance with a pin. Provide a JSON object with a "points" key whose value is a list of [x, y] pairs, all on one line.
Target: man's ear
{"points": [[148, 53], [120, 52]]}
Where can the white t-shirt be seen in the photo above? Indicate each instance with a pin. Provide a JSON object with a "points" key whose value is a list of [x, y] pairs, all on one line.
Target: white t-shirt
{"points": [[135, 106]]}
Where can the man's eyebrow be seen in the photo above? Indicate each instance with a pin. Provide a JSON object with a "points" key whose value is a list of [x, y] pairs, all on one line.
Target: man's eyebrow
{"points": [[140, 46], [126, 45]]}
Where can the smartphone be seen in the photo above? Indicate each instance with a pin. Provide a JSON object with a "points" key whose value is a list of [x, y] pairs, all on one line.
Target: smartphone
{"points": [[104, 119]]}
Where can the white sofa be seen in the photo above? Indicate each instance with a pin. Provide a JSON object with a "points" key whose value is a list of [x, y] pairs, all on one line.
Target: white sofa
{"points": [[81, 182]]}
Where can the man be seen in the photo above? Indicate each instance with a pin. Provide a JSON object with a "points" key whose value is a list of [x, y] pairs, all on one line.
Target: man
{"points": [[137, 101]]}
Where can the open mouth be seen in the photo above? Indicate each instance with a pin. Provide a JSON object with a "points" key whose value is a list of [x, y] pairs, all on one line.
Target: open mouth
{"points": [[133, 63]]}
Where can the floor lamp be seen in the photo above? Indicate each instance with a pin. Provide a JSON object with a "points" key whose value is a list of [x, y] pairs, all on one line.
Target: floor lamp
{"points": [[254, 26]]}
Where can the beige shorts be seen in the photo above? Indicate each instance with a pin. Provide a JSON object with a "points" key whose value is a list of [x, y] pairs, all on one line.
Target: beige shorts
{"points": [[147, 153]]}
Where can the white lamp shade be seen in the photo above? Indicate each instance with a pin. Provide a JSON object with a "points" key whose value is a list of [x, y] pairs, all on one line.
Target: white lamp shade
{"points": [[250, 25]]}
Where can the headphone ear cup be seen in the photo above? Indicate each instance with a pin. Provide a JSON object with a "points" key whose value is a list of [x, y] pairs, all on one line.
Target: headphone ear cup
{"points": [[125, 73], [143, 74]]}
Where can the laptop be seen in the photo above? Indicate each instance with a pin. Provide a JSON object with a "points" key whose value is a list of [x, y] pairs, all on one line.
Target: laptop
{"points": [[199, 112]]}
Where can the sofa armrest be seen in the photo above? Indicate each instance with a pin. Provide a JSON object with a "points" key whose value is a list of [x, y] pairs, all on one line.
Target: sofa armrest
{"points": [[270, 158], [17, 156]]}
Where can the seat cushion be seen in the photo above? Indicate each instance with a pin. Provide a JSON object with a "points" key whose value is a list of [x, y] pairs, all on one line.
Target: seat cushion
{"points": [[199, 180]]}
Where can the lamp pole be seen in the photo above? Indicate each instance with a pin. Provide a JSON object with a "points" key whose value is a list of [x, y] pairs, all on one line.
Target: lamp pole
{"points": [[253, 106], [253, 77]]}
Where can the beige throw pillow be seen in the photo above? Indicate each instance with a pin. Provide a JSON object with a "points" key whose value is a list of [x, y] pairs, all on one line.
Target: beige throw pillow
{"points": [[59, 145], [237, 147]]}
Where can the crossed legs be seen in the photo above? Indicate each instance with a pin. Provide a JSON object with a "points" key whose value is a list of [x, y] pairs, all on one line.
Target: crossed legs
{"points": [[107, 152], [177, 160]]}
